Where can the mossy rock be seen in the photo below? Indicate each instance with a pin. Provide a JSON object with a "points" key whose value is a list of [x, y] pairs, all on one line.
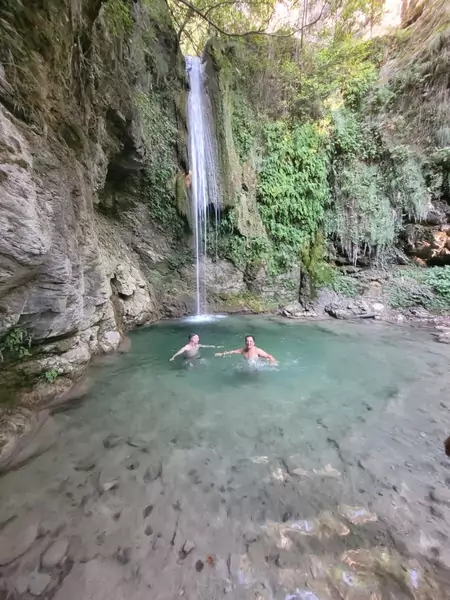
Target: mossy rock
{"points": [[244, 302]]}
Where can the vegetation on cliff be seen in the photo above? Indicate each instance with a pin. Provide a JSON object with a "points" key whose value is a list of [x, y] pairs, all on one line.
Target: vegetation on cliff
{"points": [[344, 123]]}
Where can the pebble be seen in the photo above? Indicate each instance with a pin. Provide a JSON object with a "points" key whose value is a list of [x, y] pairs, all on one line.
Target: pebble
{"points": [[35, 583], [357, 514], [147, 510], [199, 566], [250, 537], [85, 465], [132, 464], [123, 555], [153, 472], [440, 495], [111, 441], [56, 554], [16, 538], [148, 530], [301, 595], [108, 486], [188, 546], [138, 442]]}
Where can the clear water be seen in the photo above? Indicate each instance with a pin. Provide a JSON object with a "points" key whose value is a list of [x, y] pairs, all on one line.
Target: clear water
{"points": [[307, 481], [203, 164]]}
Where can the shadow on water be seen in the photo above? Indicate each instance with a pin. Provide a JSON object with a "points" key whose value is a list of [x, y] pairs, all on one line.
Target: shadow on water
{"points": [[318, 479]]}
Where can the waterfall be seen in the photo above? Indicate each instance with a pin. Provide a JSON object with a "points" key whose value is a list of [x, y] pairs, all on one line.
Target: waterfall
{"points": [[204, 172]]}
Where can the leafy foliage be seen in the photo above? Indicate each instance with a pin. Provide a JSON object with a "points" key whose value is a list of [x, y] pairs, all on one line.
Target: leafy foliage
{"points": [[244, 128], [374, 187], [343, 284], [15, 345], [438, 279], [293, 187], [50, 375], [429, 288]]}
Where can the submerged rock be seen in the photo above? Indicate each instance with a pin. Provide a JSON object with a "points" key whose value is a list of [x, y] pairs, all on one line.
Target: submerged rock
{"points": [[152, 472], [24, 434], [16, 538], [55, 554], [111, 441], [327, 471], [86, 464], [356, 514], [440, 495], [35, 583], [302, 595]]}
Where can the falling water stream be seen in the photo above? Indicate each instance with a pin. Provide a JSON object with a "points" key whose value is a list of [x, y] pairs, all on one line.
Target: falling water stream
{"points": [[203, 169]]}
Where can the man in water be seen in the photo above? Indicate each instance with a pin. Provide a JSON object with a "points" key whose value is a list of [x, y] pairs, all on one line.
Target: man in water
{"points": [[250, 352], [192, 348]]}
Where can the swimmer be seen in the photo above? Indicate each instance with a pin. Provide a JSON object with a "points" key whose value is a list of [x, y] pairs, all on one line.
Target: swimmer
{"points": [[250, 352], [192, 348]]}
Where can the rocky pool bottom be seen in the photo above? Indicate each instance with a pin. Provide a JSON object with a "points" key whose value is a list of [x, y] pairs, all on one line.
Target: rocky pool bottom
{"points": [[323, 478]]}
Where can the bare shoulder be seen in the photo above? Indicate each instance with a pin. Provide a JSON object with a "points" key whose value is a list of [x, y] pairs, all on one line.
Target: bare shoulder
{"points": [[261, 351]]}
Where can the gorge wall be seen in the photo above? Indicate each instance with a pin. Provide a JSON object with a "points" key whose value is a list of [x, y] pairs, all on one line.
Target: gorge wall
{"points": [[336, 156], [92, 165]]}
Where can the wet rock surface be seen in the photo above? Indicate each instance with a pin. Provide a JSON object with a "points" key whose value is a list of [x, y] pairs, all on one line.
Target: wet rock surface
{"points": [[17, 537]]}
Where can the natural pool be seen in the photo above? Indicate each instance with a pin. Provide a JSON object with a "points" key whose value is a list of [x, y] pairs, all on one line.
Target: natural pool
{"points": [[323, 478]]}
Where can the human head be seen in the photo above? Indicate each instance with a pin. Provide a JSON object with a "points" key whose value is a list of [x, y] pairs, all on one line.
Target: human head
{"points": [[249, 341], [193, 337]]}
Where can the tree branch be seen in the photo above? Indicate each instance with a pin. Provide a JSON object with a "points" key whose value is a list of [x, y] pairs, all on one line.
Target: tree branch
{"points": [[260, 31]]}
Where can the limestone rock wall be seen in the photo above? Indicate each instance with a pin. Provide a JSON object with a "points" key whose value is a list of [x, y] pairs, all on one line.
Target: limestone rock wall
{"points": [[84, 86]]}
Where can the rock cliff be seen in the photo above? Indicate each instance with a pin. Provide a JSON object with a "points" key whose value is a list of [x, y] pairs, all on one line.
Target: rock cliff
{"points": [[92, 153]]}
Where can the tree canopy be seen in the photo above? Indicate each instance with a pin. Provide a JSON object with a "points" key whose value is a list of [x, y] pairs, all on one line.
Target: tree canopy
{"points": [[197, 20]]}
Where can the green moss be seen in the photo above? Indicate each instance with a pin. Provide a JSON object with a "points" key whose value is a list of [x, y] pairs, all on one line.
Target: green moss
{"points": [[118, 17], [159, 131], [158, 192], [246, 301], [343, 284], [244, 127]]}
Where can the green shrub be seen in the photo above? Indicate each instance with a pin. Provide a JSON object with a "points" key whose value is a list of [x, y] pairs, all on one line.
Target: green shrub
{"points": [[343, 284], [293, 187], [50, 375], [15, 345], [429, 288], [438, 278]]}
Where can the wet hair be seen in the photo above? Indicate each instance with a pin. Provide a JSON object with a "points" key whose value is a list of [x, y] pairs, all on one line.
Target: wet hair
{"points": [[191, 335], [250, 335]]}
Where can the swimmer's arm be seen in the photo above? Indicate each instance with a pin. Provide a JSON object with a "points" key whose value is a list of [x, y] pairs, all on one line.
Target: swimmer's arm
{"points": [[183, 349], [263, 354], [238, 351]]}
